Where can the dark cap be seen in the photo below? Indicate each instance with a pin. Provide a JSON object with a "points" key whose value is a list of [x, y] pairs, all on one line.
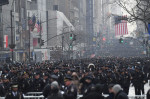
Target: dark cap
{"points": [[68, 77], [54, 76], [5, 77], [110, 85], [89, 77], [45, 74]]}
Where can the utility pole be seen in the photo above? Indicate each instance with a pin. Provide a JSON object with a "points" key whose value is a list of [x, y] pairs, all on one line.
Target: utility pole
{"points": [[12, 45], [29, 37]]}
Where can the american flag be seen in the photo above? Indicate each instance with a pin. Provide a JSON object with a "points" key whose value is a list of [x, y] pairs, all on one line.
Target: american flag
{"points": [[38, 26], [31, 22], [121, 25]]}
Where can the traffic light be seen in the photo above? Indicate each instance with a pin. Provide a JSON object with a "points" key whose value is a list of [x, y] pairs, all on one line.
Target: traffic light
{"points": [[70, 46], [121, 40], [4, 2], [71, 36], [42, 42]]}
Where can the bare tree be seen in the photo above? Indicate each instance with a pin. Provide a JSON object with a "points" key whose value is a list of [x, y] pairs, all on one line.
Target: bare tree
{"points": [[139, 10]]}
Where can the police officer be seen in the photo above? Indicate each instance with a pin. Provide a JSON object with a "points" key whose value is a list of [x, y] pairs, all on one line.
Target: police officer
{"points": [[37, 83], [45, 79], [6, 84], [60, 75], [87, 85], [125, 81], [70, 91], [14, 93], [25, 83], [2, 90]]}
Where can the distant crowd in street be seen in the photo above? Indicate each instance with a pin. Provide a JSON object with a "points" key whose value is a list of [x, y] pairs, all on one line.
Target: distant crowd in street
{"points": [[88, 77]]}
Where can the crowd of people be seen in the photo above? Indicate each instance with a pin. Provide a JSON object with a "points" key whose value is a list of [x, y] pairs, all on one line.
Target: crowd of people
{"points": [[89, 77]]}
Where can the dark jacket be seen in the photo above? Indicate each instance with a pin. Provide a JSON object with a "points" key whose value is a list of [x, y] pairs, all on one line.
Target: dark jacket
{"points": [[2, 90], [148, 94], [111, 96], [56, 96], [11, 96], [93, 95], [121, 95], [47, 90]]}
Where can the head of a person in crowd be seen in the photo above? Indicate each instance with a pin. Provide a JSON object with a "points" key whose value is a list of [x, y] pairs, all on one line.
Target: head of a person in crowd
{"points": [[25, 75], [6, 70], [116, 89], [45, 76], [5, 79], [110, 86], [56, 70], [14, 87], [88, 79], [37, 76], [53, 78], [69, 72], [75, 76], [54, 87], [68, 80]]}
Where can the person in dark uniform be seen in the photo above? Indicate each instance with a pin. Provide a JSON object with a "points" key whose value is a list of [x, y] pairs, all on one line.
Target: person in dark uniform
{"points": [[45, 79], [70, 91], [25, 83], [37, 83], [60, 76], [125, 81], [14, 93], [2, 90], [136, 82], [87, 85], [6, 84]]}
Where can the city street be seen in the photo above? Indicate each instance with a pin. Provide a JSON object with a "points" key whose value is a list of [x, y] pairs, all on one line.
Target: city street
{"points": [[74, 49]]}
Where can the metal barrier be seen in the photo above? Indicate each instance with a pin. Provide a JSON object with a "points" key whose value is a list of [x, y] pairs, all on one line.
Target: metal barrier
{"points": [[34, 97]]}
